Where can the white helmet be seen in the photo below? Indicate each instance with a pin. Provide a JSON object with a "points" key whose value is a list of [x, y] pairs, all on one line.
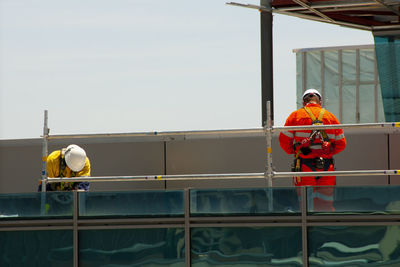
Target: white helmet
{"points": [[312, 92], [75, 157]]}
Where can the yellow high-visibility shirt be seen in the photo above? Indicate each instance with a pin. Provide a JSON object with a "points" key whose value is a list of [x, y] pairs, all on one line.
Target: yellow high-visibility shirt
{"points": [[53, 166]]}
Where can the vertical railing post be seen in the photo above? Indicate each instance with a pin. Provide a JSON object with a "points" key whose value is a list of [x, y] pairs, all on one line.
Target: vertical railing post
{"points": [[304, 230], [75, 216], [268, 169], [44, 163], [187, 227], [268, 132]]}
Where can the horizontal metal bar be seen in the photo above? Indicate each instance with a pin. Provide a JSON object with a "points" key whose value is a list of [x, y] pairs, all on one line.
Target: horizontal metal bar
{"points": [[338, 173], [185, 135], [333, 4], [337, 126], [171, 134], [157, 177], [261, 8], [198, 177]]}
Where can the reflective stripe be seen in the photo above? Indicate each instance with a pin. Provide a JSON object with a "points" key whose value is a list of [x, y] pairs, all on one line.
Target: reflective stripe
{"points": [[316, 146], [288, 134], [331, 136], [302, 134], [340, 136]]}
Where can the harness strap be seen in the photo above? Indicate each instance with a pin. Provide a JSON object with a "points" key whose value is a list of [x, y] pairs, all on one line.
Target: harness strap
{"points": [[318, 121]]}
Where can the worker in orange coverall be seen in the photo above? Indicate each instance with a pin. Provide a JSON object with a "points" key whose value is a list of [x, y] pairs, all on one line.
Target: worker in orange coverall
{"points": [[313, 149]]}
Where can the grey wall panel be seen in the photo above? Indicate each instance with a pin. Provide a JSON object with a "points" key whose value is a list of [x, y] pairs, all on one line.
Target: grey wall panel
{"points": [[363, 152], [233, 155], [127, 159], [20, 166]]}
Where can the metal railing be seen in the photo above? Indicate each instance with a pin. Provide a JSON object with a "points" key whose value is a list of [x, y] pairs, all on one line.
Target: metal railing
{"points": [[267, 131]]}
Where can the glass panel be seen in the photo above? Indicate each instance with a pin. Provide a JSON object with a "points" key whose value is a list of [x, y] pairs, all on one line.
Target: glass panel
{"points": [[36, 248], [55, 204], [313, 69], [132, 247], [139, 203], [331, 97], [353, 200], [354, 246], [228, 202], [246, 246], [388, 58]]}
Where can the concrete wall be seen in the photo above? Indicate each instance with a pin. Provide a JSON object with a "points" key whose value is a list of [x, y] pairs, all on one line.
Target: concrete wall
{"points": [[20, 160]]}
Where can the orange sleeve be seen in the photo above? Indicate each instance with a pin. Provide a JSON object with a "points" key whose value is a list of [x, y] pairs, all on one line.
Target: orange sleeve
{"points": [[286, 138], [340, 141]]}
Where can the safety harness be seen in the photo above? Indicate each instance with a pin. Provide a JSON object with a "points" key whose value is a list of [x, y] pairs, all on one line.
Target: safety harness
{"points": [[319, 163]]}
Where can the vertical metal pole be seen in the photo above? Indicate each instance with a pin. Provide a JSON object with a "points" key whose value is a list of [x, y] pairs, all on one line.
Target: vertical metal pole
{"points": [[187, 227], [75, 229], [44, 151], [268, 169], [268, 132], [304, 233], [44, 164], [358, 86], [266, 59], [376, 82], [340, 84]]}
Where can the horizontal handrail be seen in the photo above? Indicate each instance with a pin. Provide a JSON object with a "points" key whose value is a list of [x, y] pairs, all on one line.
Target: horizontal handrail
{"points": [[221, 176], [213, 133]]}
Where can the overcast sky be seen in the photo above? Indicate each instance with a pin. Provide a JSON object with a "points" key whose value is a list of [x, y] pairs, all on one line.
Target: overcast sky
{"points": [[101, 66]]}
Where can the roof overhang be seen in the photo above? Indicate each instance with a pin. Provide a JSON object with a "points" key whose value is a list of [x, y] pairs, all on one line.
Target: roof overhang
{"points": [[372, 15]]}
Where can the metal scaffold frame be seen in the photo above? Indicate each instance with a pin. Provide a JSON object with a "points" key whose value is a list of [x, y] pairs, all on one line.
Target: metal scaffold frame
{"points": [[269, 173]]}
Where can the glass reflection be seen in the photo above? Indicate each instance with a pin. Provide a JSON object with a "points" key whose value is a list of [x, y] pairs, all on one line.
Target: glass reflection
{"points": [[222, 202], [354, 246], [49, 204], [132, 247], [246, 246], [136, 204], [355, 200], [36, 248]]}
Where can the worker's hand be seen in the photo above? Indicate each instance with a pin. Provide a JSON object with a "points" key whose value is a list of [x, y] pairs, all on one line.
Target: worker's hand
{"points": [[326, 147], [304, 146]]}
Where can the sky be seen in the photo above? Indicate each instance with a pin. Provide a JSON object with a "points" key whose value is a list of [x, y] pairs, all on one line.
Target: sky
{"points": [[101, 66]]}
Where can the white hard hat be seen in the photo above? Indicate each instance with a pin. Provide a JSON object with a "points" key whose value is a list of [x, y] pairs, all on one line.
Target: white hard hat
{"points": [[75, 157], [312, 92]]}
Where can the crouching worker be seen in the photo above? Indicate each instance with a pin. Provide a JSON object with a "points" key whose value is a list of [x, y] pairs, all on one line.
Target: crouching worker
{"points": [[67, 162], [313, 150]]}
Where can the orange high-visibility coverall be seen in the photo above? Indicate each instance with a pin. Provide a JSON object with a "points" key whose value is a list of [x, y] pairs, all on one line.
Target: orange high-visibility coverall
{"points": [[323, 197]]}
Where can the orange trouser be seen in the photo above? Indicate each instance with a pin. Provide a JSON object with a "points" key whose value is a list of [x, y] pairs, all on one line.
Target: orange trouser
{"points": [[323, 190]]}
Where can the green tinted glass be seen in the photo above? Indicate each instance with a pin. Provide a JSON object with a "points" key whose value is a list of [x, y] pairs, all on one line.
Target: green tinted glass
{"points": [[132, 247], [36, 248], [355, 200], [135, 204], [49, 204], [244, 202], [246, 246], [354, 246]]}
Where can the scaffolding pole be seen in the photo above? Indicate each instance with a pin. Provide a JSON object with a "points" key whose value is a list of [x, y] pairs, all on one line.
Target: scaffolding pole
{"points": [[44, 164]]}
